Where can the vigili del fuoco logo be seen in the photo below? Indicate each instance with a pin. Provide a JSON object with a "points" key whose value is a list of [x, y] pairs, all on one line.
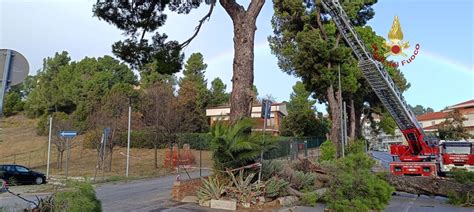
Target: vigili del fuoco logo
{"points": [[397, 47]]}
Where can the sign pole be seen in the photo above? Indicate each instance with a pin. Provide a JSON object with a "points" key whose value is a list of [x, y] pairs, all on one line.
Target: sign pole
{"points": [[67, 159], [49, 145], [6, 72], [265, 104]]}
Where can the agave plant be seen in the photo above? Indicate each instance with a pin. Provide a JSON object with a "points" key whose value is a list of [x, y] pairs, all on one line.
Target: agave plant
{"points": [[276, 187], [210, 189], [243, 189]]}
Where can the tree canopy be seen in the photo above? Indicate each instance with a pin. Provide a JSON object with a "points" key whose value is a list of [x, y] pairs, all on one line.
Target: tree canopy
{"points": [[302, 119], [193, 95], [218, 94], [420, 110], [307, 44], [75, 87], [453, 128]]}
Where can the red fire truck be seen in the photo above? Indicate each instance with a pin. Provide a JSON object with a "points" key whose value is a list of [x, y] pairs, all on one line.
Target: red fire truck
{"points": [[424, 155]]}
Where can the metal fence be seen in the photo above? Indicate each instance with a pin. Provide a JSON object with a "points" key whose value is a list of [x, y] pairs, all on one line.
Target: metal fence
{"points": [[290, 148]]}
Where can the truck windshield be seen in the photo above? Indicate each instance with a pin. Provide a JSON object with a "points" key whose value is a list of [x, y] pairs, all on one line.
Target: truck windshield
{"points": [[457, 150]]}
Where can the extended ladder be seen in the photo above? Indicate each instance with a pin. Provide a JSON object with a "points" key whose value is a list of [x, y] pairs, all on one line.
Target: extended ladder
{"points": [[373, 71]]}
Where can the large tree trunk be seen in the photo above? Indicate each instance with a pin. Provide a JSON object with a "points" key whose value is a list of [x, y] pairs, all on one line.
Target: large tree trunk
{"points": [[335, 114], [58, 160], [359, 123], [110, 161], [156, 156], [352, 121], [244, 34], [429, 185]]}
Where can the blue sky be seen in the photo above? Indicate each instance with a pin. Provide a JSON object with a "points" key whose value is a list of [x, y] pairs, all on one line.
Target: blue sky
{"points": [[441, 75]]}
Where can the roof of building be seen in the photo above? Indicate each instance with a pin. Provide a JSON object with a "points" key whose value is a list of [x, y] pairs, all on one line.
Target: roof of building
{"points": [[432, 127], [253, 105], [432, 116], [463, 104]]}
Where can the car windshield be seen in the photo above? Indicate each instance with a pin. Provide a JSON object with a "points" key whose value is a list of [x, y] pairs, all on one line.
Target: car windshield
{"points": [[22, 169], [457, 150]]}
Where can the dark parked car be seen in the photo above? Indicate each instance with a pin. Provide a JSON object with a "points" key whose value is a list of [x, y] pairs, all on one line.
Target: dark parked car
{"points": [[16, 174]]}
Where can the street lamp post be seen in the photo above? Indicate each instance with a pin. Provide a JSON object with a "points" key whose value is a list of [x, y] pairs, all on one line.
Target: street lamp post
{"points": [[128, 136], [341, 109]]}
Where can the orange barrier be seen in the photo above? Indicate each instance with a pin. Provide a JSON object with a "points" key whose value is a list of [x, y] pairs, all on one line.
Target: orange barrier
{"points": [[175, 157]]}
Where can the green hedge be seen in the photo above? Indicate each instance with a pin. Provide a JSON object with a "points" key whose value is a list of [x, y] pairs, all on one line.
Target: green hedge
{"points": [[199, 141], [144, 139]]}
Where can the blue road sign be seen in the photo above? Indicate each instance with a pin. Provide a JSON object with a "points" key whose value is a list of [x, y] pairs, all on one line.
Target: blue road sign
{"points": [[266, 108], [68, 134]]}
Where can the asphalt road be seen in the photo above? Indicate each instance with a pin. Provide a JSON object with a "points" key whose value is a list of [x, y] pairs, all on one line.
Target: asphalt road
{"points": [[155, 195], [143, 195], [384, 157]]}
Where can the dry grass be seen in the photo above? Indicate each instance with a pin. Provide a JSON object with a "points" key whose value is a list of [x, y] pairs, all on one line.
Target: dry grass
{"points": [[21, 145]]}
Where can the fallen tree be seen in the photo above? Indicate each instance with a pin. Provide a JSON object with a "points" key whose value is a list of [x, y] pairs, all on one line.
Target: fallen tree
{"points": [[430, 186]]}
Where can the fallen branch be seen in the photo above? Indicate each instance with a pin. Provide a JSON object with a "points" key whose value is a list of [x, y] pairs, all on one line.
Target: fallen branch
{"points": [[431, 186]]}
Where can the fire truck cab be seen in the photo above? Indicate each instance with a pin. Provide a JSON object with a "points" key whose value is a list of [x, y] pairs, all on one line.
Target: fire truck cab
{"points": [[456, 154]]}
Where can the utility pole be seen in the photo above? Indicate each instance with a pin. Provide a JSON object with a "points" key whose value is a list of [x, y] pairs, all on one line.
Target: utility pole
{"points": [[128, 136], [340, 106], [49, 144]]}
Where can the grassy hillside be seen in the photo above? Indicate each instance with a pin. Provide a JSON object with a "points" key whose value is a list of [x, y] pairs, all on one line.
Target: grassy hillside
{"points": [[19, 144]]}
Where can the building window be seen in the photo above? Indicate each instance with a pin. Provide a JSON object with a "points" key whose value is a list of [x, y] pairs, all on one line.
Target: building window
{"points": [[433, 123]]}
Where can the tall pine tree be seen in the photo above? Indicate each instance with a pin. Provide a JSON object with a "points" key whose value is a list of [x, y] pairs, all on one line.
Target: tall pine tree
{"points": [[218, 95], [193, 96], [302, 119]]}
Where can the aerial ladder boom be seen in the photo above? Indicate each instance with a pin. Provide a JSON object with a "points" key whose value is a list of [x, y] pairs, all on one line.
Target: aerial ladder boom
{"points": [[419, 148]]}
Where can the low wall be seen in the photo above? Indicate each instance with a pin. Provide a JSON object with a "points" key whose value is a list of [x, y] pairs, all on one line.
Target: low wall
{"points": [[184, 188]]}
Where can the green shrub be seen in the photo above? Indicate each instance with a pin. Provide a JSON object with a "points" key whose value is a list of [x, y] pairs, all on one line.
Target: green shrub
{"points": [[462, 176], [12, 104], [463, 199], [79, 196], [328, 151], [355, 187], [310, 198], [356, 146], [276, 188], [139, 138], [42, 125]]}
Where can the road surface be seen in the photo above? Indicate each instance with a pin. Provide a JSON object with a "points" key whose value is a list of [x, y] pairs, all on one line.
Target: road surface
{"points": [[384, 157], [143, 195], [155, 195]]}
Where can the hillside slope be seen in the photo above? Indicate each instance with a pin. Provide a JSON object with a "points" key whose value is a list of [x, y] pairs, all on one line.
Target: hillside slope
{"points": [[19, 144]]}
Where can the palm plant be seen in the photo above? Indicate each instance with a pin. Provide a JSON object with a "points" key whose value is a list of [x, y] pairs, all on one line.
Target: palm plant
{"points": [[235, 145]]}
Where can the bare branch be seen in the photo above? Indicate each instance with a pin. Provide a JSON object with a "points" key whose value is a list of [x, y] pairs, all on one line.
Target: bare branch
{"points": [[232, 8], [198, 27], [255, 7], [320, 25]]}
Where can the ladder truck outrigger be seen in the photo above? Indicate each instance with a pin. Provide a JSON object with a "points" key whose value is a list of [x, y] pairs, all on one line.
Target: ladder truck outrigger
{"points": [[423, 156]]}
